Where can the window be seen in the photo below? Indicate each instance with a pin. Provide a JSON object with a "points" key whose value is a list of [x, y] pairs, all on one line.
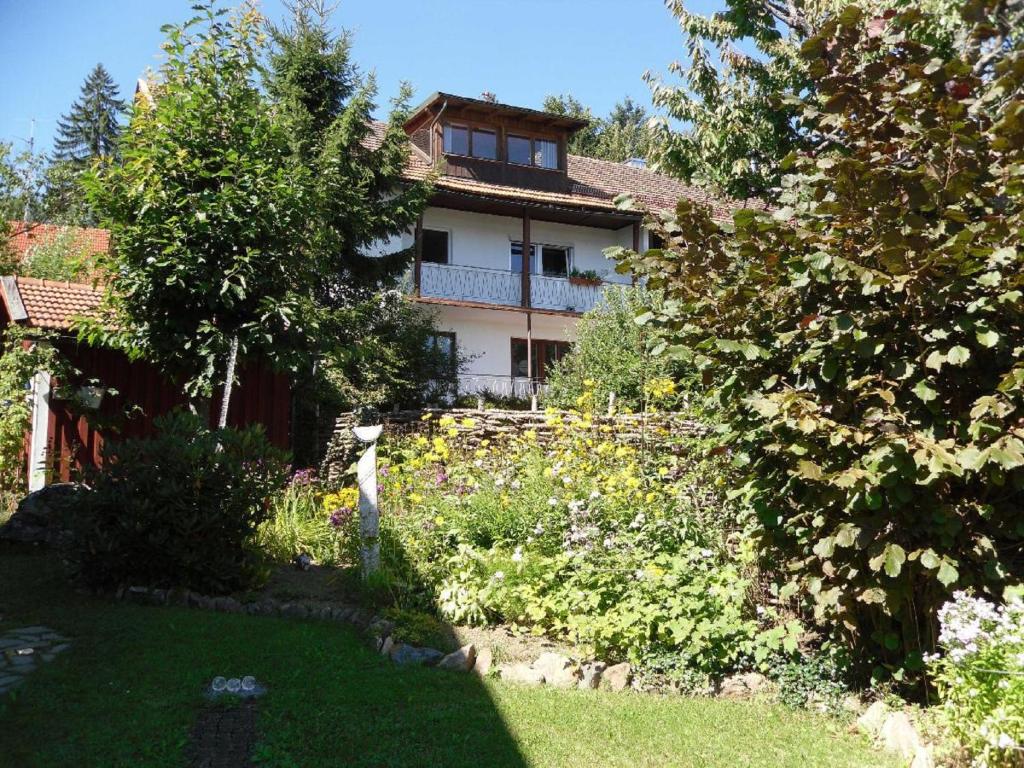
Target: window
{"points": [[545, 354], [654, 240], [554, 260], [516, 259], [545, 153], [456, 140], [519, 150], [434, 247], [485, 144], [442, 344]]}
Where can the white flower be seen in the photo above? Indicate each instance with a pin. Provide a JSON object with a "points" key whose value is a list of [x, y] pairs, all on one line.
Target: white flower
{"points": [[499, 482], [1005, 741], [517, 555], [552, 502], [595, 494], [499, 575], [478, 463], [538, 529], [706, 553]]}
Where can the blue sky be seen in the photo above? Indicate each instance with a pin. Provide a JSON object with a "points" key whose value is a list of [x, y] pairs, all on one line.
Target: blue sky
{"points": [[522, 50]]}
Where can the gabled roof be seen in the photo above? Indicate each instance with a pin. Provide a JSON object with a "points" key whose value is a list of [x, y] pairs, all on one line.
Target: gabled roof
{"points": [[28, 235], [593, 185], [48, 305]]}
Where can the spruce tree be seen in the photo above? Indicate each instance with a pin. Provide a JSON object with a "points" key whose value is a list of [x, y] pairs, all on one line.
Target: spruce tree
{"points": [[90, 130], [359, 196]]}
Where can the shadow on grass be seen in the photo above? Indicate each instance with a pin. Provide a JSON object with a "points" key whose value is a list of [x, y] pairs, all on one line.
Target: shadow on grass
{"points": [[129, 691]]}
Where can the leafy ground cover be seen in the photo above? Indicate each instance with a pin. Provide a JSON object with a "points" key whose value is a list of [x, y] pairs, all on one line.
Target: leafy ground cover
{"points": [[128, 691]]}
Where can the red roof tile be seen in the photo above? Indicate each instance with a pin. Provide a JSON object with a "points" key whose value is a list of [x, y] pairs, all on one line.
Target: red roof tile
{"points": [[49, 304], [25, 236]]}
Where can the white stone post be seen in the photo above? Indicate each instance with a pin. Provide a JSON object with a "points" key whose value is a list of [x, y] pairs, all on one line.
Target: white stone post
{"points": [[369, 513]]}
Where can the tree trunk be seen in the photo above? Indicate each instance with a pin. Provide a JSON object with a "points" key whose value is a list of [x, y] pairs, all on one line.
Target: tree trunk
{"points": [[229, 380]]}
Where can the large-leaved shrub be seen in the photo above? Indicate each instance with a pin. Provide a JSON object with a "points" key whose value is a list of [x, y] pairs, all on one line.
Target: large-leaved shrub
{"points": [[865, 342], [179, 509]]}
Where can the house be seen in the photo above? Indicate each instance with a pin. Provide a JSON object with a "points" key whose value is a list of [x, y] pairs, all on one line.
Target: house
{"points": [[507, 186]]}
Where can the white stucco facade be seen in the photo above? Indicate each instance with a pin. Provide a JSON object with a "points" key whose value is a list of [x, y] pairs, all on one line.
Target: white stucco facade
{"points": [[479, 271]]}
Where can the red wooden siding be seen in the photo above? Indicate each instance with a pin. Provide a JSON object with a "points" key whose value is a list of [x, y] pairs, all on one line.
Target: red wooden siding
{"points": [[143, 393]]}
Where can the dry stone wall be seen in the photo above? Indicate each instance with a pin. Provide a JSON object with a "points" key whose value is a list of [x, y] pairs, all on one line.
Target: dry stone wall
{"points": [[489, 424]]}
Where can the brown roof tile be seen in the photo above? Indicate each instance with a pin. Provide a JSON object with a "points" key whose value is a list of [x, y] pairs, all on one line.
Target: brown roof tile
{"points": [[593, 184], [50, 304]]}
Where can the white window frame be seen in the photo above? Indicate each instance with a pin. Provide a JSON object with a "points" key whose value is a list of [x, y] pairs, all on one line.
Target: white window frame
{"points": [[451, 246], [535, 256]]}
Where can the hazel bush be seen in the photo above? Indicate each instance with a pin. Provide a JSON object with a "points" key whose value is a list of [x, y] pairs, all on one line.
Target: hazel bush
{"points": [[980, 676]]}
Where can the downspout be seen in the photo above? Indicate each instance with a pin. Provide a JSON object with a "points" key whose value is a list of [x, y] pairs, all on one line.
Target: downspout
{"points": [[433, 123]]}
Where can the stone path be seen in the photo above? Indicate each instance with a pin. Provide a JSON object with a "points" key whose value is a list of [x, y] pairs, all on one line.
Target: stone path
{"points": [[22, 650], [223, 737]]}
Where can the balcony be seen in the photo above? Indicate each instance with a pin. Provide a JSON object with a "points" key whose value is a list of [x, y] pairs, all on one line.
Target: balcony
{"points": [[505, 288]]}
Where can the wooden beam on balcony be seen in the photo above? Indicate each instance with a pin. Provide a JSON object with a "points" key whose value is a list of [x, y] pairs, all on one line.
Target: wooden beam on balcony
{"points": [[527, 261], [636, 237], [417, 269]]}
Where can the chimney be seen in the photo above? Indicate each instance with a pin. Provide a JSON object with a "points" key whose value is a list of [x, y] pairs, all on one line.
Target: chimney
{"points": [[489, 97]]}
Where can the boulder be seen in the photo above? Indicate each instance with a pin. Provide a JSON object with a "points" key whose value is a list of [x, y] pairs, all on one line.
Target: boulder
{"points": [[923, 758], [484, 662], [617, 677], [872, 720], [558, 670], [461, 660], [743, 685], [411, 656], [590, 674], [898, 735], [386, 645], [522, 674], [38, 516]]}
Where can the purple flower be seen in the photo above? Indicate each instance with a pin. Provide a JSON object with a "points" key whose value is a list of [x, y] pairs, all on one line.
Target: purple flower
{"points": [[441, 478], [341, 517], [302, 477], [383, 471]]}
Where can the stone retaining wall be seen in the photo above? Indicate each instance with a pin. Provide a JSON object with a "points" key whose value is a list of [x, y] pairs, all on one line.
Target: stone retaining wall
{"points": [[661, 429]]}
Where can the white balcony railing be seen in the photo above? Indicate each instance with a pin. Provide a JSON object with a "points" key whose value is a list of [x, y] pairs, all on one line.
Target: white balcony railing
{"points": [[452, 281], [504, 287]]}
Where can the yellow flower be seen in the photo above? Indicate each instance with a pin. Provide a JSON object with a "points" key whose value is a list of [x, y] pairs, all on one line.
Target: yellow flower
{"points": [[415, 498], [468, 423], [426, 417]]}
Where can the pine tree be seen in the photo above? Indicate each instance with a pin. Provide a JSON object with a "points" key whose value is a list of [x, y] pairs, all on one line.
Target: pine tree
{"points": [[91, 128]]}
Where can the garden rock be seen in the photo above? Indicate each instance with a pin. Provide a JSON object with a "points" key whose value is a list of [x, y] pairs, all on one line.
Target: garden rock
{"points": [[923, 758], [386, 645], [617, 677], [872, 720], [461, 660], [590, 674], [522, 674], [742, 686], [558, 670], [37, 518], [898, 735], [410, 655], [484, 662]]}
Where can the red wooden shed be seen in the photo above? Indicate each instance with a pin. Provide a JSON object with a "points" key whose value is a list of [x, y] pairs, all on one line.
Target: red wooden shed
{"points": [[65, 434]]}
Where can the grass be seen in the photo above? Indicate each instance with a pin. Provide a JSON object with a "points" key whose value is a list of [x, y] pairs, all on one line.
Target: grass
{"points": [[129, 689]]}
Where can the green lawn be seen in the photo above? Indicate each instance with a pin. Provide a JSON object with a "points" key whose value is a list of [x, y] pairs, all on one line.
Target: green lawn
{"points": [[129, 689]]}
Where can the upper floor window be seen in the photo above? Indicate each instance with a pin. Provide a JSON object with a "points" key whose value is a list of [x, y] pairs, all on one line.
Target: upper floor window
{"points": [[434, 246], [456, 139], [485, 144], [524, 150], [519, 150], [473, 142], [545, 153]]}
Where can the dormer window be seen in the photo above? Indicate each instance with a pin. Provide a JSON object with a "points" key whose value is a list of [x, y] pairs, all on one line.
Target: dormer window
{"points": [[524, 150], [485, 144], [456, 139], [470, 142]]}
